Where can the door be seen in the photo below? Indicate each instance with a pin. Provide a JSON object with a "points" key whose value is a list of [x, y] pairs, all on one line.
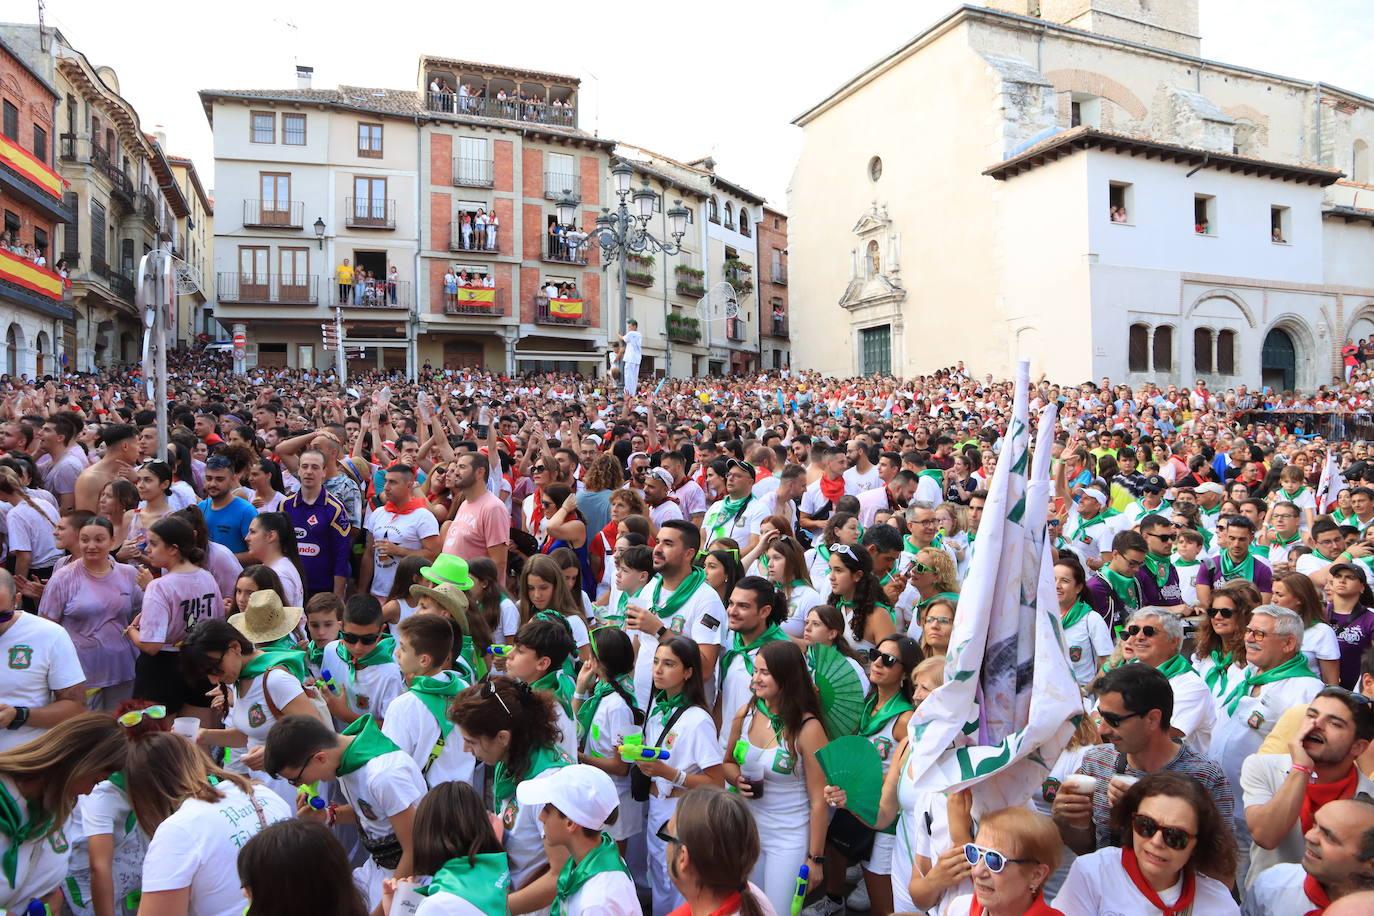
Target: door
{"points": [[253, 273], [463, 354], [369, 201], [1279, 361], [876, 354], [294, 274], [276, 199], [305, 356], [474, 169]]}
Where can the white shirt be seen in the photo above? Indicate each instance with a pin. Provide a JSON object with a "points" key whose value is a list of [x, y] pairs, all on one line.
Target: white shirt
{"points": [[31, 529], [408, 531], [1195, 711], [1278, 891], [741, 528], [41, 866], [1239, 735], [367, 690], [198, 846], [870, 503], [410, 724], [702, 617], [610, 893], [290, 581], [39, 659], [1099, 886], [1087, 640], [634, 346], [383, 786], [856, 481]]}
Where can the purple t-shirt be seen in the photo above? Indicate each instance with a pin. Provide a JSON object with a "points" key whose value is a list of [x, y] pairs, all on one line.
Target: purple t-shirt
{"points": [[1209, 574], [224, 566], [176, 602], [94, 610], [1152, 594], [1354, 631]]}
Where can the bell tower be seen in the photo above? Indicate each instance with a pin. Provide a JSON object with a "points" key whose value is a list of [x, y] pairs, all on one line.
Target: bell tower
{"points": [[1171, 25]]}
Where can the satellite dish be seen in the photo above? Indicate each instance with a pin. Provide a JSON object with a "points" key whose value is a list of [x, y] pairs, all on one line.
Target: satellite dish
{"points": [[720, 303]]}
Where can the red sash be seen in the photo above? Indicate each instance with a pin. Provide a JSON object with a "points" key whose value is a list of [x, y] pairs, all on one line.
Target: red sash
{"points": [[1319, 794], [1317, 894]]}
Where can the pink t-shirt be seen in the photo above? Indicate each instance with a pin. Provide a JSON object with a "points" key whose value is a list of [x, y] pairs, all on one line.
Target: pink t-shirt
{"points": [[176, 602], [481, 523]]}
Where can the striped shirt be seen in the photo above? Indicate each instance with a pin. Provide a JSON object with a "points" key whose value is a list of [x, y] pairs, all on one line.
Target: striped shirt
{"points": [[1100, 763]]}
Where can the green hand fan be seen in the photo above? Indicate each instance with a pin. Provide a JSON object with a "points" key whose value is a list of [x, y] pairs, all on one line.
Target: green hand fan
{"points": [[842, 691], [852, 764]]}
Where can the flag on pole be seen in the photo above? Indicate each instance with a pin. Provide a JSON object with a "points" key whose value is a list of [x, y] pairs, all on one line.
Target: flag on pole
{"points": [[1009, 702], [1331, 485]]}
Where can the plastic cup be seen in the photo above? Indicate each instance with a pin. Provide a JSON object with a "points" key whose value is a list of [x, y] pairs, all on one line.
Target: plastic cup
{"points": [[754, 771], [1123, 783], [407, 898], [1079, 784], [186, 726]]}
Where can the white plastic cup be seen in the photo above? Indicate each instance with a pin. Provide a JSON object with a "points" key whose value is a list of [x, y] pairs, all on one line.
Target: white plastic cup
{"points": [[407, 898], [186, 726], [1123, 783], [1079, 784]]}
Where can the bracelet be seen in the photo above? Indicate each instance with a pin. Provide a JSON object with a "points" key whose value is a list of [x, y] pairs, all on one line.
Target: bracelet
{"points": [[584, 697], [1300, 768], [680, 779], [331, 815]]}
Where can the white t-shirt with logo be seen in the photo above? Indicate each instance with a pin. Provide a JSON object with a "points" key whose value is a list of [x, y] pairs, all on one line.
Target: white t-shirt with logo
{"points": [[1087, 640], [369, 689], [37, 659], [702, 617], [413, 727], [41, 865], [408, 531]]}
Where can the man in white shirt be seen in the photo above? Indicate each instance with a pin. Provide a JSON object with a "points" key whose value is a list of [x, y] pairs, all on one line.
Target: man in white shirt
{"points": [[634, 353], [1334, 859], [402, 527], [894, 496], [691, 499], [42, 682], [662, 507], [1153, 637], [739, 514], [862, 473]]}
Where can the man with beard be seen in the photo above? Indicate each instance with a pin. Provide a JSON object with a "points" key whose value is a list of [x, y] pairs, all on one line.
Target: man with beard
{"points": [[1283, 792], [894, 495], [1336, 867]]}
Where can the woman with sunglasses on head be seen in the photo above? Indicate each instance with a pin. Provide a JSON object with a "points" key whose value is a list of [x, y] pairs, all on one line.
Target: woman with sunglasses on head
{"points": [[1296, 592], [94, 598], [885, 718], [854, 590], [1177, 855], [1219, 640], [678, 719], [272, 541], [786, 568], [1085, 632], [514, 729], [198, 816], [40, 783], [930, 575], [607, 712], [840, 528], [1013, 855]]}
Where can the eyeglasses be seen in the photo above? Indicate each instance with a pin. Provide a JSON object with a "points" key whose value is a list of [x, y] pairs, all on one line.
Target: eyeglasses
{"points": [[299, 777], [1146, 827], [1256, 635], [1225, 613], [490, 691], [877, 655], [1147, 631], [994, 860], [135, 716], [1114, 719], [366, 639], [940, 621], [667, 837]]}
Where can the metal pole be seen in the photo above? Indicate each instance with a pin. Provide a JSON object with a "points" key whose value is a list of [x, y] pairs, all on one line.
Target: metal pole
{"points": [[624, 217], [162, 285], [340, 355]]}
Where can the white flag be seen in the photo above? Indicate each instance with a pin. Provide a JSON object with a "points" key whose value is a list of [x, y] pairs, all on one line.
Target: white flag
{"points": [[1331, 485], [1009, 701]]}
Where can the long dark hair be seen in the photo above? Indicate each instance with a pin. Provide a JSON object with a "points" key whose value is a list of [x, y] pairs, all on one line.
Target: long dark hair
{"points": [[493, 593], [866, 589], [833, 619], [264, 577], [177, 533], [270, 866], [192, 516], [613, 649], [451, 823], [733, 571], [689, 654], [279, 524], [273, 471], [482, 710], [206, 637], [797, 699]]}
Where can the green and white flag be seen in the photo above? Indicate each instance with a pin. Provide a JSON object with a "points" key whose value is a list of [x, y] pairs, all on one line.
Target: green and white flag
{"points": [[1009, 701]]}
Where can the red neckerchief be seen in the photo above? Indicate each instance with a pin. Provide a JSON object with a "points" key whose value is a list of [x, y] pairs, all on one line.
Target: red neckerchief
{"points": [[762, 474], [409, 506], [1319, 794], [537, 513], [832, 490], [1317, 894], [1038, 907], [1185, 900], [730, 905]]}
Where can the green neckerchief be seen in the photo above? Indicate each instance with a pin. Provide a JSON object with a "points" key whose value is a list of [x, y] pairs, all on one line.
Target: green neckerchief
{"points": [[873, 718], [604, 858], [19, 829], [293, 660], [665, 706], [622, 604], [1175, 666], [1184, 564], [948, 596], [1290, 497], [771, 633], [481, 880], [1070, 618], [1206, 537], [586, 713], [774, 720], [1216, 678], [1259, 550], [1277, 541], [380, 655], [685, 589], [1125, 587], [287, 642], [475, 665], [1158, 565], [1295, 667], [934, 474], [1245, 569], [1215, 510], [436, 693], [909, 546], [541, 759], [560, 685], [823, 551], [730, 512], [1085, 523], [314, 654], [1341, 518], [368, 743]]}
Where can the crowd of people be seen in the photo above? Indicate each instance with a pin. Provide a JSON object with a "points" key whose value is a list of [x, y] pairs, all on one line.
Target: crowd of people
{"points": [[480, 644], [359, 286], [517, 104]]}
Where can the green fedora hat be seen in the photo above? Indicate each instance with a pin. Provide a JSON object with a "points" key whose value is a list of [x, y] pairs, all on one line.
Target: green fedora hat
{"points": [[448, 568]]}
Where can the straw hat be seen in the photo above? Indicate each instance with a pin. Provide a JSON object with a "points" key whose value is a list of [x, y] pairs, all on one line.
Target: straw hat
{"points": [[265, 619], [449, 597]]}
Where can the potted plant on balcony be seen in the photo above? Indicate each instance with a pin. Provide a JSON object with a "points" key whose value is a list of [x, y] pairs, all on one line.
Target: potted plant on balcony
{"points": [[639, 270], [683, 328], [691, 281]]}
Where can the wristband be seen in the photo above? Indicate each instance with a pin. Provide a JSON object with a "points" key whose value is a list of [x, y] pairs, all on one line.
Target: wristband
{"points": [[661, 630], [820, 860], [582, 697], [331, 815], [1300, 768], [21, 715], [680, 779]]}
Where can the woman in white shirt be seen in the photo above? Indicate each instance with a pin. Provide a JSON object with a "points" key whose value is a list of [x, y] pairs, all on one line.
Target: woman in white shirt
{"points": [[786, 567], [271, 864], [1176, 850], [29, 528], [272, 542], [1296, 592], [264, 478], [198, 816]]}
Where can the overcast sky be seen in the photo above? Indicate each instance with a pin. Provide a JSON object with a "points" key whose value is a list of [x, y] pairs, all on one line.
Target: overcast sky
{"points": [[685, 79]]}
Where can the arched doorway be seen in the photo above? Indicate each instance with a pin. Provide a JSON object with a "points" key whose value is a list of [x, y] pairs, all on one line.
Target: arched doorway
{"points": [[1279, 362]]}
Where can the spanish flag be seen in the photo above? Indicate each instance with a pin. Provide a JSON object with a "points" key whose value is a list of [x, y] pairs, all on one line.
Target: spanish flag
{"points": [[28, 165], [565, 308], [25, 273], [476, 294]]}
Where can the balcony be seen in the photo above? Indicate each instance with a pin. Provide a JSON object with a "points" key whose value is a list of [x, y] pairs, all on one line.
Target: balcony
{"points": [[369, 213], [147, 205], [780, 274], [66, 150], [379, 294], [121, 284], [691, 281], [734, 330], [562, 250], [456, 242], [740, 275], [639, 270], [778, 326], [683, 328], [555, 183], [506, 109], [29, 178], [471, 173], [571, 313], [476, 300], [273, 214], [243, 289]]}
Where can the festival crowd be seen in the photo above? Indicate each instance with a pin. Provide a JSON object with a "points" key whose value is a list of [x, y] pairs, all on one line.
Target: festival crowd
{"points": [[478, 645]]}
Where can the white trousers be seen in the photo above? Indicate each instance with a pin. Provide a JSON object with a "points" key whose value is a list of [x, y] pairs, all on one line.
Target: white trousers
{"points": [[780, 860], [631, 380]]}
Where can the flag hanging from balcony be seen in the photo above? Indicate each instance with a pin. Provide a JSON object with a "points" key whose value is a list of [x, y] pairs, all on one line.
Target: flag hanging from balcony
{"points": [[32, 168], [565, 308], [477, 294], [29, 275]]}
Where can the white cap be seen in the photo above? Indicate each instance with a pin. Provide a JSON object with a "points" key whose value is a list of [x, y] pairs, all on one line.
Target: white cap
{"points": [[1210, 486], [586, 795], [663, 475], [1095, 494]]}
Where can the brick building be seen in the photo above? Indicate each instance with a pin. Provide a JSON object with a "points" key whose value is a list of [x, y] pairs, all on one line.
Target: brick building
{"points": [[774, 339]]}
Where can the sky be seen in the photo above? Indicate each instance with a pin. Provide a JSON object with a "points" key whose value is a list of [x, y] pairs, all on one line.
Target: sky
{"points": [[715, 78]]}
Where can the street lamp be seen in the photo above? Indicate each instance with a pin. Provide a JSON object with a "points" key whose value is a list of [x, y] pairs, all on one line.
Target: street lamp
{"points": [[319, 230]]}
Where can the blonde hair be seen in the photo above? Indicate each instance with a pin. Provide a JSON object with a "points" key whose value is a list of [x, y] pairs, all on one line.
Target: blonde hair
{"points": [[166, 770], [946, 575], [85, 748], [933, 665], [957, 513], [1035, 836]]}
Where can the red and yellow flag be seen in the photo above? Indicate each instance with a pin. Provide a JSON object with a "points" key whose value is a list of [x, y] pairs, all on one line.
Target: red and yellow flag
{"points": [[565, 308], [29, 275], [28, 165], [476, 294]]}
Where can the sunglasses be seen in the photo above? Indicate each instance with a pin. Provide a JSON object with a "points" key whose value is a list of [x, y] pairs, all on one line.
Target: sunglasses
{"points": [[1163, 537], [1352, 696], [994, 860], [1136, 630], [538, 469], [1146, 827], [920, 568], [135, 716], [667, 837], [843, 549], [366, 639], [1114, 719], [1226, 613], [877, 655]]}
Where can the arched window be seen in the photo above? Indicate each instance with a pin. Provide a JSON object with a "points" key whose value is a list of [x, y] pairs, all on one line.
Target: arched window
{"points": [[713, 210], [1202, 350], [729, 215], [1226, 352], [743, 221], [1138, 352], [1359, 165], [1164, 349]]}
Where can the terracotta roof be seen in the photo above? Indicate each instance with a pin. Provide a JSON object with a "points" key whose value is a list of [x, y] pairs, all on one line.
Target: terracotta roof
{"points": [[1066, 143]]}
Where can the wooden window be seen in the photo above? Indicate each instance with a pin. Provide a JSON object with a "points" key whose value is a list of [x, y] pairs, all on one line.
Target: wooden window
{"points": [[276, 198], [11, 120], [1202, 350], [369, 140], [97, 235], [293, 274], [1138, 349], [369, 199], [293, 129], [264, 126], [1226, 352], [95, 131], [1164, 349], [40, 144], [254, 276]]}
